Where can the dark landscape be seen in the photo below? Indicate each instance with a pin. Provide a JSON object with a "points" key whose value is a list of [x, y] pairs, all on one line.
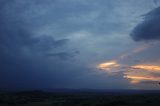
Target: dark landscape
{"points": [[81, 98]]}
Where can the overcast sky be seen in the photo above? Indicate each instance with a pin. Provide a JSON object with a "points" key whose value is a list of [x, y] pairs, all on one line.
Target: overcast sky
{"points": [[47, 44]]}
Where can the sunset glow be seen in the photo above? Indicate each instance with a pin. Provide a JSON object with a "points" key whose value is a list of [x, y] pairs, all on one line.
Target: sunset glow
{"points": [[108, 65], [147, 67], [135, 74], [137, 79]]}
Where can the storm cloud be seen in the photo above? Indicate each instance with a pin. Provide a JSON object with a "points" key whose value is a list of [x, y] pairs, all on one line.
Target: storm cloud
{"points": [[58, 43], [22, 56], [149, 29]]}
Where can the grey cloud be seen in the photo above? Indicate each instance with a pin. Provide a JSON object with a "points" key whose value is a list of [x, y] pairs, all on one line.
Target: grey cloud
{"points": [[16, 34], [155, 1], [18, 70], [34, 33], [149, 29], [45, 43], [63, 55], [150, 82]]}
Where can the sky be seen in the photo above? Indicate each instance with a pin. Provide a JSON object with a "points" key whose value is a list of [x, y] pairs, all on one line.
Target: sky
{"points": [[78, 44]]}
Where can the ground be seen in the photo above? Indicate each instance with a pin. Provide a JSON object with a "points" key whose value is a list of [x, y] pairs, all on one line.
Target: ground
{"points": [[38, 98]]}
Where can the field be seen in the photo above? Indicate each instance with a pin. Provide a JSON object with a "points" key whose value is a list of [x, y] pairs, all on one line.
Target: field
{"points": [[39, 98]]}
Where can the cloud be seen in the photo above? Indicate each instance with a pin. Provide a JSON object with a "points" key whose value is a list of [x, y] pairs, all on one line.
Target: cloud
{"points": [[140, 76], [23, 62], [155, 1], [47, 43], [149, 29], [146, 71], [63, 55], [37, 35]]}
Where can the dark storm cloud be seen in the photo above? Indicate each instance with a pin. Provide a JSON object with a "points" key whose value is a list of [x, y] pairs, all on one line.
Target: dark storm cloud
{"points": [[36, 36], [15, 34], [20, 63], [63, 55], [155, 1], [47, 43], [149, 29]]}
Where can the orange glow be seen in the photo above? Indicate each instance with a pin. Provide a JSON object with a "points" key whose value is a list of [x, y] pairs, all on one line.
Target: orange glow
{"points": [[138, 76], [108, 65], [138, 79], [151, 68], [134, 81]]}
